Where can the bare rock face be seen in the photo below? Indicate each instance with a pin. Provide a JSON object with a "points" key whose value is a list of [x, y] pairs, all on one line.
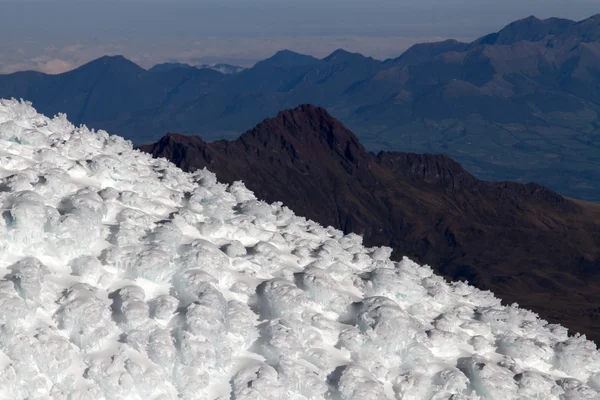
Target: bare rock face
{"points": [[526, 243]]}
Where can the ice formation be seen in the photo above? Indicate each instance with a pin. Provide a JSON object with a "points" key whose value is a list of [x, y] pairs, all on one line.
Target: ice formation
{"points": [[126, 278]]}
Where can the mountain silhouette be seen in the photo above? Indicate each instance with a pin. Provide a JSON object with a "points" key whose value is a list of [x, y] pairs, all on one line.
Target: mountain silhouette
{"points": [[520, 104], [526, 243]]}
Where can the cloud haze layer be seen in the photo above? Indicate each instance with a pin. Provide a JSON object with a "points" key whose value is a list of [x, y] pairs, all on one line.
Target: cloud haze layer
{"points": [[60, 35]]}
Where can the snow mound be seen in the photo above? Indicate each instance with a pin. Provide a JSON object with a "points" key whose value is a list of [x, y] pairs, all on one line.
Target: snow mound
{"points": [[125, 278]]}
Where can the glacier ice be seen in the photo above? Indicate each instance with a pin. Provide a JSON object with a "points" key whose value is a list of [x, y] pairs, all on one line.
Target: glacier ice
{"points": [[125, 278]]}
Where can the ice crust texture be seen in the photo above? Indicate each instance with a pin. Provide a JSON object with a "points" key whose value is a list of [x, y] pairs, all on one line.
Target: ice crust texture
{"points": [[125, 278]]}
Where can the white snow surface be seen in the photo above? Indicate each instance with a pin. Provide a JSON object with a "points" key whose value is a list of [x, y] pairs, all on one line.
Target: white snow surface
{"points": [[125, 278]]}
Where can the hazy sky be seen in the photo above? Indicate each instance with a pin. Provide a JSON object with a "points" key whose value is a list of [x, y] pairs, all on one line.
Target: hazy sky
{"points": [[57, 35]]}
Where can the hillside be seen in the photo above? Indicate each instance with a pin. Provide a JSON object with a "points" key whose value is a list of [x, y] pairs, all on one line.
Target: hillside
{"points": [[521, 104], [526, 243]]}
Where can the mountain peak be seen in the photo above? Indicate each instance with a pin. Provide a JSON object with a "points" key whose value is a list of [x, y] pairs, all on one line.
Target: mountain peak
{"points": [[303, 113], [523, 23], [305, 109], [116, 59], [530, 19], [341, 55], [309, 130], [530, 29], [288, 58], [286, 53], [306, 132], [594, 19], [117, 62]]}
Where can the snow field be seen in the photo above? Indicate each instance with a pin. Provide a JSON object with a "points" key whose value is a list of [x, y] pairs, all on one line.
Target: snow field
{"points": [[125, 278]]}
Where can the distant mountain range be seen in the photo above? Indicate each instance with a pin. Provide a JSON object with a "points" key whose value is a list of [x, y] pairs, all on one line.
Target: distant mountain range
{"points": [[526, 243], [520, 104]]}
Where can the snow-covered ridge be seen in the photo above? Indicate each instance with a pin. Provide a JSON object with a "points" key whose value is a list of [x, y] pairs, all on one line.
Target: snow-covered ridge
{"points": [[126, 278]]}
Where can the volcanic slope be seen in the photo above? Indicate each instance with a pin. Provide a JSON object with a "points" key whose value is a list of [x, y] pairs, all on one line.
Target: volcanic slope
{"points": [[126, 278], [524, 242]]}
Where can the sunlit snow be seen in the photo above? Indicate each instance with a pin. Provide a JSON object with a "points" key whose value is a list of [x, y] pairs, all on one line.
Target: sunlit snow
{"points": [[126, 278]]}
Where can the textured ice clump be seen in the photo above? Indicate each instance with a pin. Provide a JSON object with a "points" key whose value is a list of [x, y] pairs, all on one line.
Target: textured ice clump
{"points": [[25, 218], [28, 276], [88, 268], [12, 306], [356, 382], [84, 317], [257, 382], [125, 278]]}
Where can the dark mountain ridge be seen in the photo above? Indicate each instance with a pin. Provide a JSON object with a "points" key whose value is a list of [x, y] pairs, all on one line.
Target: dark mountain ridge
{"points": [[521, 104], [526, 243]]}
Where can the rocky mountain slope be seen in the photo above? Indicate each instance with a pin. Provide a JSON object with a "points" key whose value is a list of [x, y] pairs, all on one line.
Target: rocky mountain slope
{"points": [[526, 243]]}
